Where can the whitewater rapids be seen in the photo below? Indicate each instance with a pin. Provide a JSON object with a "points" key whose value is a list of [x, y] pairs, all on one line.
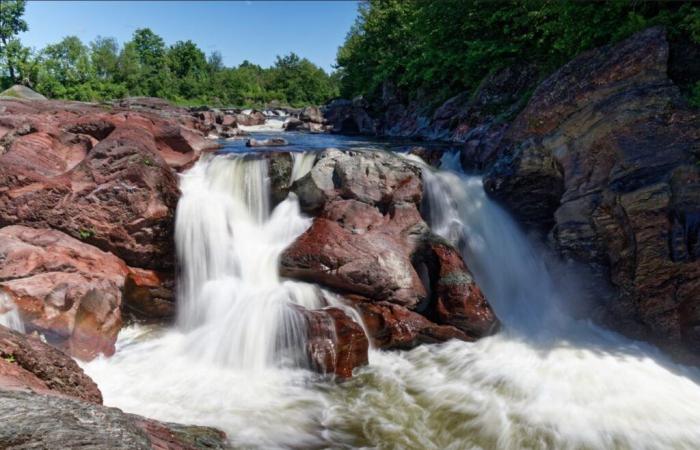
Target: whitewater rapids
{"points": [[545, 381]]}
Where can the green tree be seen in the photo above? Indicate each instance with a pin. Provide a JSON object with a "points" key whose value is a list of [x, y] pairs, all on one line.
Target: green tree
{"points": [[11, 24], [66, 70], [104, 55]]}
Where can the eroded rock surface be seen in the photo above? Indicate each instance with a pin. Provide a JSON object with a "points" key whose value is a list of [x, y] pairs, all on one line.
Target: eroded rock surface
{"points": [[369, 243], [67, 290], [606, 158]]}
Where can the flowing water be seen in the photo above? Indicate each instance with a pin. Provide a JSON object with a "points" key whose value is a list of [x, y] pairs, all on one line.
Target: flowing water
{"points": [[233, 360]]}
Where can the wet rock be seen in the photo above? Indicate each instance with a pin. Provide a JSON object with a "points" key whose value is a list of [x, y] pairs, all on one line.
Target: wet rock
{"points": [[336, 344], [609, 136], [280, 173], [39, 421], [364, 237], [391, 326], [68, 291], [458, 300], [271, 142], [149, 295], [369, 243], [26, 363]]}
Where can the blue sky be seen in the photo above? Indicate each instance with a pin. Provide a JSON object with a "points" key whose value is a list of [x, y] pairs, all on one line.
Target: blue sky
{"points": [[252, 30]]}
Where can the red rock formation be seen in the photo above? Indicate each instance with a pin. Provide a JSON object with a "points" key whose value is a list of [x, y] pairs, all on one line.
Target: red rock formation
{"points": [[69, 291], [336, 343], [605, 158], [366, 243], [26, 363]]}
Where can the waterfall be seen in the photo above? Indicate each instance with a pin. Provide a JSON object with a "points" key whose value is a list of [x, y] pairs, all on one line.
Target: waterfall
{"points": [[546, 380], [231, 300], [9, 316]]}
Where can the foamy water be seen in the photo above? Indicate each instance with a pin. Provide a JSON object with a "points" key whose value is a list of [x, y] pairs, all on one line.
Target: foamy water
{"points": [[545, 381]]}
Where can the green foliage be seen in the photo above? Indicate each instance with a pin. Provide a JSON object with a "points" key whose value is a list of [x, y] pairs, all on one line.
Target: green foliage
{"points": [[11, 24], [145, 66], [9, 358], [85, 234], [438, 48]]}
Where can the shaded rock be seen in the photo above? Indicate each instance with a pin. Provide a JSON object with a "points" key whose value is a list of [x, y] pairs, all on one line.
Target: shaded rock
{"points": [[311, 114], [280, 173], [26, 363], [38, 421], [530, 181], [149, 295], [347, 117], [68, 291], [610, 137], [336, 344], [391, 326], [271, 142]]}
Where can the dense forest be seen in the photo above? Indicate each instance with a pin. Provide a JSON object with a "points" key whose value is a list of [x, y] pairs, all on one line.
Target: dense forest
{"points": [[103, 69], [430, 50]]}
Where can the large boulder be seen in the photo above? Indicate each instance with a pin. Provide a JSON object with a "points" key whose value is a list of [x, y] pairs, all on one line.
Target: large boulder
{"points": [[102, 178], [42, 421], [349, 117], [68, 291], [369, 243], [27, 364], [606, 157]]}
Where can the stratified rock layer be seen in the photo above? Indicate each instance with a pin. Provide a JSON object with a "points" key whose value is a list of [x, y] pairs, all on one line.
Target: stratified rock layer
{"points": [[606, 157]]}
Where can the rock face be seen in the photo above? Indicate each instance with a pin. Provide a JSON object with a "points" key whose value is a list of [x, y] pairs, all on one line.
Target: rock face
{"points": [[606, 158], [40, 421], [349, 117], [68, 291], [369, 243], [105, 177], [26, 363], [336, 343]]}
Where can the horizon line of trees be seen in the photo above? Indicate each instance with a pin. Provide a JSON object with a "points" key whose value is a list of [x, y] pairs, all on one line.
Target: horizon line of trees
{"points": [[146, 66]]}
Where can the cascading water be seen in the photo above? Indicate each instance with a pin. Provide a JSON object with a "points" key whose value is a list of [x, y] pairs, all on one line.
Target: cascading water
{"points": [[9, 316], [231, 298], [544, 381]]}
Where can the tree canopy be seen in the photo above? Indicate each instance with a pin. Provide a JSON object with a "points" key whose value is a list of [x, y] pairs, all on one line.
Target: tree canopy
{"points": [[438, 48], [145, 66]]}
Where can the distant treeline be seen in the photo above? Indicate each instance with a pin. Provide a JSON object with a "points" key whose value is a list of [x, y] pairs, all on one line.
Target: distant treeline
{"points": [[145, 66], [430, 50]]}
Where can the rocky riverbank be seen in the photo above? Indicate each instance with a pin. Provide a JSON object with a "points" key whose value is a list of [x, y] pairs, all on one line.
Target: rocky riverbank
{"points": [[601, 159]]}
